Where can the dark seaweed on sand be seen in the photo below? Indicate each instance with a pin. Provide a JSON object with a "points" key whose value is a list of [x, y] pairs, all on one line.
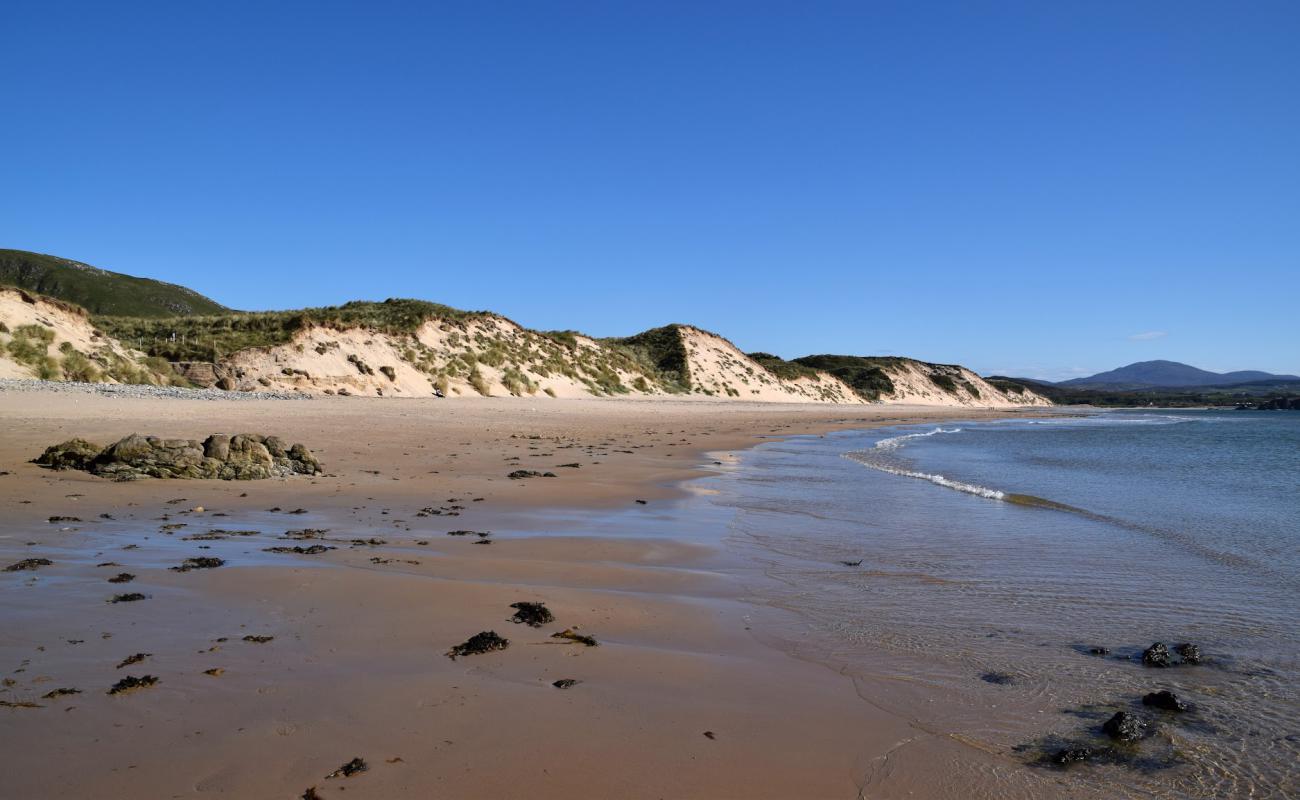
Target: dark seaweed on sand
{"points": [[534, 615], [130, 682], [484, 642]]}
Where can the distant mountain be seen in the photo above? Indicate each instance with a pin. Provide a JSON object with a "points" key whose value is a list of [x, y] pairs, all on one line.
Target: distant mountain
{"points": [[1165, 374], [100, 291]]}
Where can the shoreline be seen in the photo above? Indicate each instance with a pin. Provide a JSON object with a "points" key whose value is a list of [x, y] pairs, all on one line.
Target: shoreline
{"points": [[676, 659]]}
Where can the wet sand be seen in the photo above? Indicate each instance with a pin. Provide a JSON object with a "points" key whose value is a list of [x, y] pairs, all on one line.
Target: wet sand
{"points": [[680, 699]]}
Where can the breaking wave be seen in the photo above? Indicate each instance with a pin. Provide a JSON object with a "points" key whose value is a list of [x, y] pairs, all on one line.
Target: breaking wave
{"points": [[877, 458]]}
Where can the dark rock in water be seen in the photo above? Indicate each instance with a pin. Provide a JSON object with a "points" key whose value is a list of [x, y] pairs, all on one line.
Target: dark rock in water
{"points": [[28, 564], [1189, 653], [244, 456], [72, 454], [122, 577], [202, 562], [565, 683], [534, 615], [311, 550], [1157, 655], [857, 563], [349, 769], [1164, 699], [484, 642], [258, 638], [1070, 755], [130, 682], [998, 678], [129, 597], [1125, 727], [1099, 651]]}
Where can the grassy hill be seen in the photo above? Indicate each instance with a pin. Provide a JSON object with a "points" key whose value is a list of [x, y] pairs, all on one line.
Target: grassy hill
{"points": [[98, 290], [1170, 397]]}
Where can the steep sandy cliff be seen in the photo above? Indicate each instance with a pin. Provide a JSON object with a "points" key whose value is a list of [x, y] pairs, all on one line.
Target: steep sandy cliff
{"points": [[921, 383], [43, 338]]}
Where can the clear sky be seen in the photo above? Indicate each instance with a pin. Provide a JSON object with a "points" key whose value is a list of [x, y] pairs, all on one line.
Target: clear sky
{"points": [[1037, 188]]}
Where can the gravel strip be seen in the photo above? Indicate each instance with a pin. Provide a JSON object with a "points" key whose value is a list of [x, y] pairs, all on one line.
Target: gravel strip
{"points": [[140, 390]]}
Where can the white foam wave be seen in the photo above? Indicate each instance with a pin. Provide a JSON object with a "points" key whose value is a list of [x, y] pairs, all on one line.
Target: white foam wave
{"points": [[938, 480], [895, 442]]}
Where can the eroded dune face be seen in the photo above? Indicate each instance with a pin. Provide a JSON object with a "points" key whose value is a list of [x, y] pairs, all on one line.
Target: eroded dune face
{"points": [[474, 356], [47, 339]]}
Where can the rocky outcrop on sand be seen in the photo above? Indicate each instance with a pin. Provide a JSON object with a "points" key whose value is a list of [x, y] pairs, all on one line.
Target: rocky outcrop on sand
{"points": [[244, 456]]}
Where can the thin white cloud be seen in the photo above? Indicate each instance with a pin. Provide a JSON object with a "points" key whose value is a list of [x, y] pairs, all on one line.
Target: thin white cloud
{"points": [[1147, 336]]}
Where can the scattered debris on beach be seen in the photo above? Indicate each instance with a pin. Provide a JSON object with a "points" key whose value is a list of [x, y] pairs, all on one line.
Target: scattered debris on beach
{"points": [[484, 642], [534, 615], [257, 638], [565, 683], [520, 474], [129, 597], [133, 659], [122, 577], [349, 769], [311, 550], [50, 695], [131, 683], [201, 562], [568, 633], [28, 564]]}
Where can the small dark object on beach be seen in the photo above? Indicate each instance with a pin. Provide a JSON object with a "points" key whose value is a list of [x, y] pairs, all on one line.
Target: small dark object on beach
{"points": [[122, 577], [857, 563], [568, 633], [1125, 726], [202, 562], [131, 682], [534, 615], [1157, 655], [59, 693], [484, 642], [297, 511], [19, 704], [129, 597], [258, 638], [1069, 755], [306, 533], [574, 465], [1188, 652], [311, 794], [565, 683], [1164, 699], [1098, 651], [28, 563], [998, 678], [349, 769], [135, 659], [640, 502], [529, 473], [312, 550], [65, 519], [215, 672], [481, 534], [710, 735]]}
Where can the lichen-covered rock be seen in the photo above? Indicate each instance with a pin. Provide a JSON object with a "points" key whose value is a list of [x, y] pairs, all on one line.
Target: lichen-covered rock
{"points": [[244, 456], [72, 454]]}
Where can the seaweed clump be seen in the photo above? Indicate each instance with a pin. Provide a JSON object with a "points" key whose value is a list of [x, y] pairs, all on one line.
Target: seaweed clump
{"points": [[568, 633], [534, 615], [131, 683], [484, 642]]}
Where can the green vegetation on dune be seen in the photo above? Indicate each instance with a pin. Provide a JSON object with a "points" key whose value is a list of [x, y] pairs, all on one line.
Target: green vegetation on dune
{"points": [[210, 338], [863, 374], [1157, 397], [785, 370], [98, 290], [662, 352]]}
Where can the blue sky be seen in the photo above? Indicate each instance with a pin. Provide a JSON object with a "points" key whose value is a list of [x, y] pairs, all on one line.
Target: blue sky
{"points": [[1045, 189]]}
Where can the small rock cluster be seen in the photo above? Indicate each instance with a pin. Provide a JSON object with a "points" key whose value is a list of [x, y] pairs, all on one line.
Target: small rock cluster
{"points": [[244, 456]]}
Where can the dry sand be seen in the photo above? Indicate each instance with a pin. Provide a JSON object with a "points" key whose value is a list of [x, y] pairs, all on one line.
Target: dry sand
{"points": [[357, 666]]}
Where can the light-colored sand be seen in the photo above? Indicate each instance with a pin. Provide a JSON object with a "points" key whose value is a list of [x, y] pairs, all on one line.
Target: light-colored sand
{"points": [[356, 667]]}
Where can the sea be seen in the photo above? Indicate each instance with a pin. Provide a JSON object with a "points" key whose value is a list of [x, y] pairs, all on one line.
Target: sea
{"points": [[997, 583]]}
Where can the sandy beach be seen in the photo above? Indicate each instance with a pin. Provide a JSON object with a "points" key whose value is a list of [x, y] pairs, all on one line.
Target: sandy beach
{"points": [[681, 698]]}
